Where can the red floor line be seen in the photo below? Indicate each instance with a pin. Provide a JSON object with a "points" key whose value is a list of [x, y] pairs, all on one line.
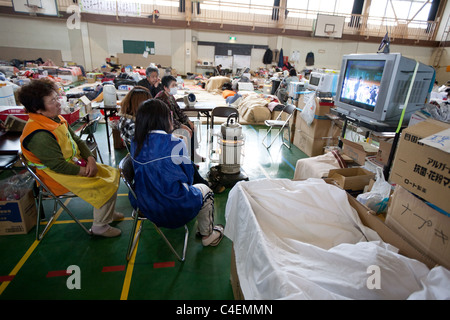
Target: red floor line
{"points": [[6, 278], [168, 264], [57, 273], [113, 268]]}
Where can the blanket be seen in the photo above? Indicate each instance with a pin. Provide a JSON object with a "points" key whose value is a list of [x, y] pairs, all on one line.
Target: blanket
{"points": [[253, 109], [291, 244], [215, 83]]}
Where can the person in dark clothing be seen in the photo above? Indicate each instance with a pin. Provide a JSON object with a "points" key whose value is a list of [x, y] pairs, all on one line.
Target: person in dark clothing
{"points": [[152, 81], [164, 176], [181, 122]]}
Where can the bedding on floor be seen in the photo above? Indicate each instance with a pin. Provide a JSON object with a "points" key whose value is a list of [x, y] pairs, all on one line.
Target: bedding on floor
{"points": [[303, 240]]}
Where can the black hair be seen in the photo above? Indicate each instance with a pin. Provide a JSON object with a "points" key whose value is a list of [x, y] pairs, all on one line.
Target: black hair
{"points": [[32, 95], [166, 80], [292, 72], [152, 114]]}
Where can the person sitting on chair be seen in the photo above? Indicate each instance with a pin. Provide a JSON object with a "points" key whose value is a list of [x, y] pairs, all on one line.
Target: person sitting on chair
{"points": [[128, 110], [164, 176], [181, 123], [180, 119], [51, 146], [152, 81], [291, 78]]}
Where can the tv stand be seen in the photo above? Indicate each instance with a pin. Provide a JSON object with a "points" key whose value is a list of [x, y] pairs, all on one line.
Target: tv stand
{"points": [[383, 130]]}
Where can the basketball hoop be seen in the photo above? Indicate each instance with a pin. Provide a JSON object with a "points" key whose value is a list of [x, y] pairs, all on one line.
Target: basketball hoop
{"points": [[330, 34], [33, 9]]}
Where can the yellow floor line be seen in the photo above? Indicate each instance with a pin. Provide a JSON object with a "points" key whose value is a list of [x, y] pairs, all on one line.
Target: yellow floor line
{"points": [[130, 267], [19, 265], [83, 221], [27, 254]]}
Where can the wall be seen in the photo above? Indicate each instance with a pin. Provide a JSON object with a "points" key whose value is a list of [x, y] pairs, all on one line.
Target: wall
{"points": [[24, 33], [94, 42]]}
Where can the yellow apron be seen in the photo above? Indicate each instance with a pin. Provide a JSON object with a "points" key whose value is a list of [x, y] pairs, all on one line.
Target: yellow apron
{"points": [[94, 190]]}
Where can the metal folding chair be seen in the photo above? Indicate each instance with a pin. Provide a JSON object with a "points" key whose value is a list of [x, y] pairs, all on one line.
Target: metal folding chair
{"points": [[89, 128], [43, 193], [127, 174], [281, 125]]}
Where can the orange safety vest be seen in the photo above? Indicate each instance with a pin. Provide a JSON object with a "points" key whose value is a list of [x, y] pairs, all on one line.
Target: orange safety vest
{"points": [[39, 122], [94, 190]]}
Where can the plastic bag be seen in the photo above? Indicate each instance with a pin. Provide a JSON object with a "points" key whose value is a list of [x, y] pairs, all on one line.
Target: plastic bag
{"points": [[309, 111], [15, 187], [377, 198]]}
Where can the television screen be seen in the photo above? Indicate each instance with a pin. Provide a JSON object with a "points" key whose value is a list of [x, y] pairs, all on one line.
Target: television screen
{"points": [[361, 83], [313, 80]]}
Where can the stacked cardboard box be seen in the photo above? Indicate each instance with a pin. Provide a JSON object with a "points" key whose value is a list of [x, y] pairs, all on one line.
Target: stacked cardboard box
{"points": [[420, 224], [419, 207], [423, 169], [312, 138]]}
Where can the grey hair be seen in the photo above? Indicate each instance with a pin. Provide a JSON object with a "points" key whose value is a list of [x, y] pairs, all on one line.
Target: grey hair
{"points": [[149, 70]]}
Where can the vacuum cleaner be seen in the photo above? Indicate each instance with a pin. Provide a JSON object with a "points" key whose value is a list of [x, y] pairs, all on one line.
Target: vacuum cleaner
{"points": [[231, 142]]}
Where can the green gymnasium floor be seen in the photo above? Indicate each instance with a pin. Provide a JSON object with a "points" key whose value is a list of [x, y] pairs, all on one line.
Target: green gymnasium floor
{"points": [[37, 270]]}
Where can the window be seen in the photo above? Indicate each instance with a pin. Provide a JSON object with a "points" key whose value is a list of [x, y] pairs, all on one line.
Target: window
{"points": [[244, 6], [403, 10], [310, 8]]}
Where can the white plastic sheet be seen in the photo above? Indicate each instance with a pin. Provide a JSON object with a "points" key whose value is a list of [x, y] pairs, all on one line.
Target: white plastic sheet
{"points": [[302, 240]]}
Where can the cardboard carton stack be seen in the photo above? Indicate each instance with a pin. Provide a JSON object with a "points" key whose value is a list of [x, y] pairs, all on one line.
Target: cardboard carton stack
{"points": [[312, 139], [419, 207]]}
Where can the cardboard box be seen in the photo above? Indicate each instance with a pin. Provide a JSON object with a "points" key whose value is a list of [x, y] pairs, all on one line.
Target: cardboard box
{"points": [[422, 169], [19, 216], [351, 178], [368, 219], [384, 151], [312, 146], [117, 139], [421, 225], [358, 151], [322, 107], [319, 128]]}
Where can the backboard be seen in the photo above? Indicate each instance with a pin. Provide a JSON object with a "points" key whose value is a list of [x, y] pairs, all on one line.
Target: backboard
{"points": [[35, 7], [329, 26]]}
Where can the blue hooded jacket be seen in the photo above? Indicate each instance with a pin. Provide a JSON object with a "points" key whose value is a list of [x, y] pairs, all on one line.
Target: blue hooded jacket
{"points": [[163, 181]]}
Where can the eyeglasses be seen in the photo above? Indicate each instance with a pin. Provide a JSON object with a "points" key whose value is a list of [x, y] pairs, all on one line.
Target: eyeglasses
{"points": [[53, 100]]}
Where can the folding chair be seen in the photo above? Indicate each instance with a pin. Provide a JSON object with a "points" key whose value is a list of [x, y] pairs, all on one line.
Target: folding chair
{"points": [[42, 193], [127, 174], [281, 125], [89, 128], [221, 112]]}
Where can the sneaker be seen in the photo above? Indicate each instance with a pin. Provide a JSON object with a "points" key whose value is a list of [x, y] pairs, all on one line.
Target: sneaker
{"points": [[110, 232], [118, 216], [215, 237]]}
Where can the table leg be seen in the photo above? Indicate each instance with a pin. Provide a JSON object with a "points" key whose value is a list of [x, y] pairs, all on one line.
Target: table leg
{"points": [[107, 131]]}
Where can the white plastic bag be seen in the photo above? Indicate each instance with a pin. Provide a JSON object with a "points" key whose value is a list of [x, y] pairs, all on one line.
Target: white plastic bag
{"points": [[309, 110], [377, 198]]}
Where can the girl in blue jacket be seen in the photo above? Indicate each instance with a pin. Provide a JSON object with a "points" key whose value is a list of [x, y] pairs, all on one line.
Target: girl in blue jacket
{"points": [[164, 175]]}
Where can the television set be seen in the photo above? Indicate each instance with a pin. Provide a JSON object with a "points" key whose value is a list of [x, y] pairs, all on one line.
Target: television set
{"points": [[373, 87], [314, 79], [324, 82]]}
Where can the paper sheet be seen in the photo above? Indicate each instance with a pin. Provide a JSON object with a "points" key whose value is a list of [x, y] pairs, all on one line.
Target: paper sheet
{"points": [[440, 140]]}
